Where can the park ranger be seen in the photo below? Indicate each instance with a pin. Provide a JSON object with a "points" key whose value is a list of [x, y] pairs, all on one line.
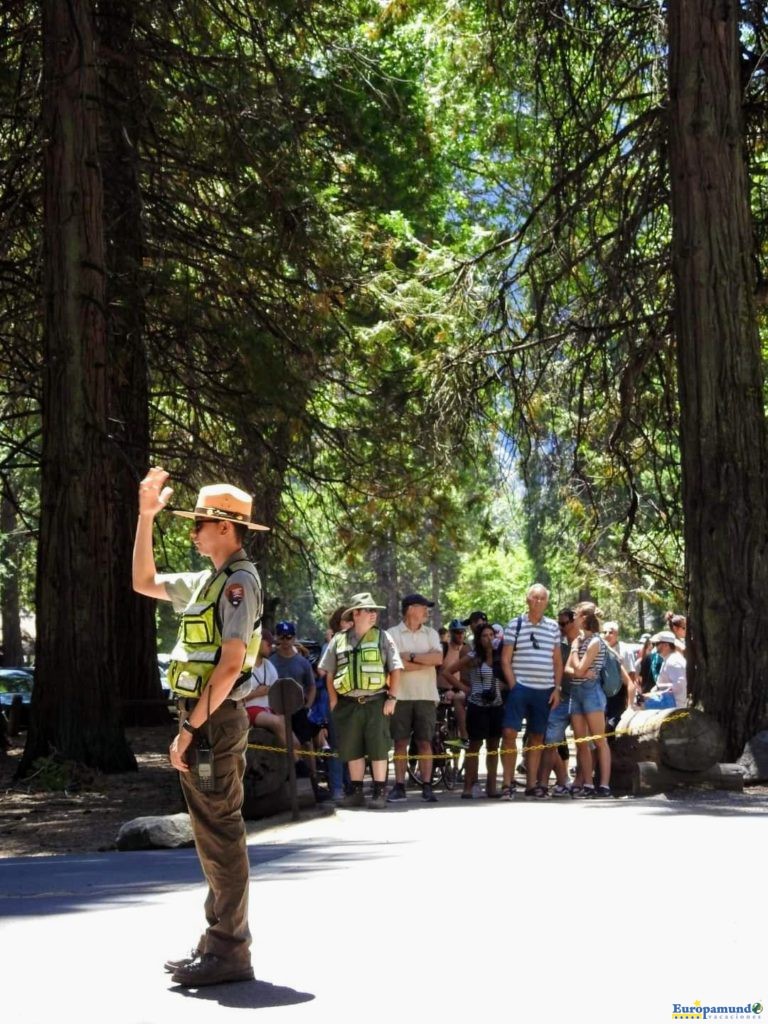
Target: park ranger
{"points": [[219, 635], [363, 669]]}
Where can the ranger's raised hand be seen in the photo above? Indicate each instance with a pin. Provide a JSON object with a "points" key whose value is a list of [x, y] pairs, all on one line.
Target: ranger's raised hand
{"points": [[153, 495]]}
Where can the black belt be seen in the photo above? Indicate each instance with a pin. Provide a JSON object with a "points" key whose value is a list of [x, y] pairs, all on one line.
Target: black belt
{"points": [[187, 703], [364, 700]]}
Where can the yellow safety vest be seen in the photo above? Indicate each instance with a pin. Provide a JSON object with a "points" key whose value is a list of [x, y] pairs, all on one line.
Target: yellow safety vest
{"points": [[360, 667], [198, 645]]}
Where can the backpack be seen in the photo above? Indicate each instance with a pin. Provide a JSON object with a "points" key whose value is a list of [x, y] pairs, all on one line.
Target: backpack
{"points": [[610, 673]]}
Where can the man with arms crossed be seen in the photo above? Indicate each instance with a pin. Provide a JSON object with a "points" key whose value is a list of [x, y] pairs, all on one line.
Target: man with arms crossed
{"points": [[416, 711]]}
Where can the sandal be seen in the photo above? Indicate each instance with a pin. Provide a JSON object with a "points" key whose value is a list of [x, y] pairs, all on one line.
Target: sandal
{"points": [[540, 792]]}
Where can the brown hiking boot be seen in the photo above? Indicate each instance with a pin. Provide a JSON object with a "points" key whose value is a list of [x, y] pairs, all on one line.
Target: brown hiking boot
{"points": [[212, 970]]}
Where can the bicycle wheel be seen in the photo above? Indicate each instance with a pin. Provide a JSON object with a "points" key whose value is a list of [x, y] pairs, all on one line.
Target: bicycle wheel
{"points": [[414, 766], [453, 774]]}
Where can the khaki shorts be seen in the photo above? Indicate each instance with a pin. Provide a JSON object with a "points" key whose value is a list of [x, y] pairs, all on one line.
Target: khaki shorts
{"points": [[413, 718]]}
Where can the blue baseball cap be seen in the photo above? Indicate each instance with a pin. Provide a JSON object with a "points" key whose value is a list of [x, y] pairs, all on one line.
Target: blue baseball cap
{"points": [[285, 629]]}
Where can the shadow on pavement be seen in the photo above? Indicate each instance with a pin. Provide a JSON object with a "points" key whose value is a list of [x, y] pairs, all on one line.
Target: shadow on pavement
{"points": [[247, 995], [58, 885]]}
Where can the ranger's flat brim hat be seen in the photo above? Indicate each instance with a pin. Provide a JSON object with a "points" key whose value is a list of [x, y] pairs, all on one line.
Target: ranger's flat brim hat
{"points": [[222, 501], [364, 600]]}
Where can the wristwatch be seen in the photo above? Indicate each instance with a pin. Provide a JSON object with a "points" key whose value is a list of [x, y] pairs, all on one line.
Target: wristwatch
{"points": [[391, 696], [186, 724], [411, 657]]}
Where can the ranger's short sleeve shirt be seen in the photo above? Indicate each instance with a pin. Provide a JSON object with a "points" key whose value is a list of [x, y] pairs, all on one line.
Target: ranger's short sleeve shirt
{"points": [[239, 603]]}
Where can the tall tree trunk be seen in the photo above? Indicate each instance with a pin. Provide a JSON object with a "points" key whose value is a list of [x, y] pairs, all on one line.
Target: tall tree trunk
{"points": [[137, 676], [723, 432], [383, 560], [10, 609], [75, 704]]}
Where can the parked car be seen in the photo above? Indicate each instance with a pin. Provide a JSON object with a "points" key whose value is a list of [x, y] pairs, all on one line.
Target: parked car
{"points": [[163, 661], [16, 687], [15, 681]]}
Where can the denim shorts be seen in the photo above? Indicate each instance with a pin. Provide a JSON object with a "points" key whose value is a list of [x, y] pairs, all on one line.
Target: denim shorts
{"points": [[523, 702], [558, 723], [587, 697]]}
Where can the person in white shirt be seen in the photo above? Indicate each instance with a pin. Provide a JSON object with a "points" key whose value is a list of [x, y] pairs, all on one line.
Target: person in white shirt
{"points": [[416, 711], [263, 675], [671, 689]]}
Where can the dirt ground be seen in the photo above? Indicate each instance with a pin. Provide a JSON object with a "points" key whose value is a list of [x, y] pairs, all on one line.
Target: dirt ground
{"points": [[38, 822], [35, 821]]}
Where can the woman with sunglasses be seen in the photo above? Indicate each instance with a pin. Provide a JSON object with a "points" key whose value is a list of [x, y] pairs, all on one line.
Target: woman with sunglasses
{"points": [[588, 703], [485, 710]]}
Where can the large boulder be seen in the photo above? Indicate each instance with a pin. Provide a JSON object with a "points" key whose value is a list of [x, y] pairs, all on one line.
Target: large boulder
{"points": [[754, 760], [169, 831]]}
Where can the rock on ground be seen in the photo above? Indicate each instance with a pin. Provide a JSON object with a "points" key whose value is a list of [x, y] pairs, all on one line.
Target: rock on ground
{"points": [[754, 760], [168, 831]]}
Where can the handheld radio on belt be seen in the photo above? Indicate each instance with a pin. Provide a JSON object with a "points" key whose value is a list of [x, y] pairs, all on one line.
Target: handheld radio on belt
{"points": [[206, 781]]}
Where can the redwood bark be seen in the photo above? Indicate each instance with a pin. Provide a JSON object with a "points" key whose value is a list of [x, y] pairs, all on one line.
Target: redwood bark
{"points": [[137, 676], [723, 431], [10, 608], [75, 707]]}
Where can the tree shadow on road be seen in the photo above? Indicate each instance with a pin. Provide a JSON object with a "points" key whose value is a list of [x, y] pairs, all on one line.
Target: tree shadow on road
{"points": [[247, 995]]}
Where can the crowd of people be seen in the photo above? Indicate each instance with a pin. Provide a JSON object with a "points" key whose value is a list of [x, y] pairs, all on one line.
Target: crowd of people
{"points": [[372, 691]]}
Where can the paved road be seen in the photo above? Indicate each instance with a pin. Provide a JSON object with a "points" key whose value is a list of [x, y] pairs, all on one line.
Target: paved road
{"points": [[525, 912]]}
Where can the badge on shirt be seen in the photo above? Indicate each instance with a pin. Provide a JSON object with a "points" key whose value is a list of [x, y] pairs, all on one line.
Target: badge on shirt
{"points": [[235, 594]]}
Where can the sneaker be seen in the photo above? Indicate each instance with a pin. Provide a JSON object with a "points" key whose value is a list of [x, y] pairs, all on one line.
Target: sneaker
{"points": [[354, 799], [428, 794], [583, 792], [211, 970], [175, 965], [561, 791], [477, 791], [377, 803], [397, 794], [468, 796], [603, 791]]}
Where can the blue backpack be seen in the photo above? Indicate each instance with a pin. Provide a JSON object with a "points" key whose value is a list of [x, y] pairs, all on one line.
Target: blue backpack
{"points": [[610, 673]]}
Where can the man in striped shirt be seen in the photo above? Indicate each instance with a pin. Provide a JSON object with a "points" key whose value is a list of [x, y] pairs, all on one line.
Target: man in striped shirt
{"points": [[533, 668]]}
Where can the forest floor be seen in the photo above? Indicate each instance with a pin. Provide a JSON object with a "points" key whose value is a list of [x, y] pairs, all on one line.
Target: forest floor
{"points": [[36, 820]]}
